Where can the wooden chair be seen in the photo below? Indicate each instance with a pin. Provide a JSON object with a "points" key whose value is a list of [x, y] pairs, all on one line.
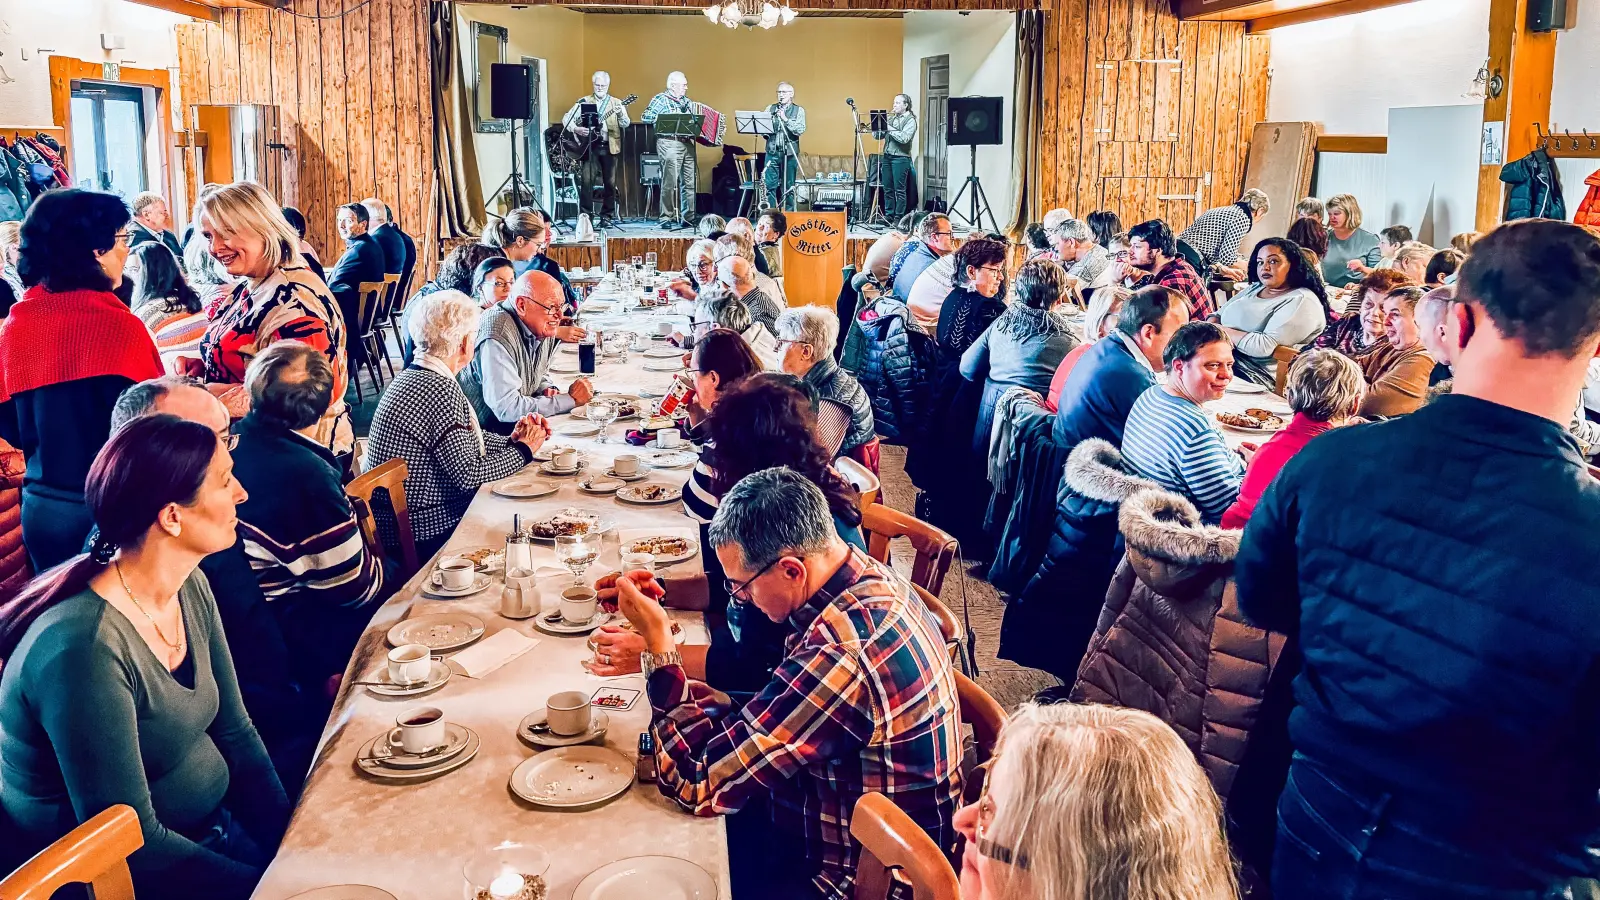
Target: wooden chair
{"points": [[1285, 357], [749, 181], [95, 853], [936, 549], [949, 625], [833, 424], [987, 718], [860, 479], [892, 844], [369, 299], [385, 316], [391, 476]]}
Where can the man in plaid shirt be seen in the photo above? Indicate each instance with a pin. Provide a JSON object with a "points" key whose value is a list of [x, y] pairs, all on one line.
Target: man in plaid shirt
{"points": [[865, 699], [1153, 253]]}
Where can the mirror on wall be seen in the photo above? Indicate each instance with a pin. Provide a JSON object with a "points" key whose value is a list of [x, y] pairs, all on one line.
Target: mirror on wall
{"points": [[488, 48]]}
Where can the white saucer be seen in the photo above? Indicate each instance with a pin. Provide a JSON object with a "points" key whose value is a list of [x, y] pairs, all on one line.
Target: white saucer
{"points": [[655, 444], [549, 468], [383, 773], [386, 752], [563, 627], [525, 488], [433, 588], [439, 632], [678, 458], [578, 428], [598, 723], [602, 485], [438, 675], [662, 365], [663, 353], [612, 473]]}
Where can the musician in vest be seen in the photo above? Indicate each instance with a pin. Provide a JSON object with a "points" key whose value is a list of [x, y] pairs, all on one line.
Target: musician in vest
{"points": [[783, 147], [604, 140], [508, 375], [896, 174], [678, 170]]}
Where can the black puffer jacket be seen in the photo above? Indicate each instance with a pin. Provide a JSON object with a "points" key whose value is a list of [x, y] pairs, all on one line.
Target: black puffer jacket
{"points": [[1535, 188], [1049, 624], [896, 364]]}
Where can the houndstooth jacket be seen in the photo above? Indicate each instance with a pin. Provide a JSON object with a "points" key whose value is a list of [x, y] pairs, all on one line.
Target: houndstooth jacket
{"points": [[425, 419]]}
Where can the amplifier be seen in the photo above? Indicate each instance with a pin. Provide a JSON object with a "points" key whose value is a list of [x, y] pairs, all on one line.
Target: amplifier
{"points": [[649, 168]]}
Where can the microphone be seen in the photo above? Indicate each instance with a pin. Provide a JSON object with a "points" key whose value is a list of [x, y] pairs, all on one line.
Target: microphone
{"points": [[851, 101]]}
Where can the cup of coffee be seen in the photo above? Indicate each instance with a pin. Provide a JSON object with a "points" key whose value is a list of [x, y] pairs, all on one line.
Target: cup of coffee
{"points": [[663, 328], [419, 731], [625, 464], [566, 458], [410, 664], [579, 604], [567, 713], [669, 438], [456, 572]]}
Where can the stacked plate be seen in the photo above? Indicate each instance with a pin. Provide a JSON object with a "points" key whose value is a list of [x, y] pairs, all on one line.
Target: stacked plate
{"points": [[384, 759]]}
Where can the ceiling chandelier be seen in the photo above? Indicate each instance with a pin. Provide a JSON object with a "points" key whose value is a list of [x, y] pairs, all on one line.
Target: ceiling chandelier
{"points": [[750, 14]]}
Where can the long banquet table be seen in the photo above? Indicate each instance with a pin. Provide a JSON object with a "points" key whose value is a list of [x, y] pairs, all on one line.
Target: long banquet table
{"points": [[412, 840]]}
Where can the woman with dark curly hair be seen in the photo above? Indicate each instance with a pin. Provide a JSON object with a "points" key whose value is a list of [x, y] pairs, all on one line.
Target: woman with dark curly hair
{"points": [[1284, 306], [164, 301], [66, 352], [1311, 235], [764, 421]]}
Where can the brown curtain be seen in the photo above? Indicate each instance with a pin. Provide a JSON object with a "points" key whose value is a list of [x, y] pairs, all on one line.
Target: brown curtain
{"points": [[1027, 104], [457, 191]]}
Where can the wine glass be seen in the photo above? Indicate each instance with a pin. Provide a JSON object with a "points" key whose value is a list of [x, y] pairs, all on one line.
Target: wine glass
{"points": [[602, 413], [577, 552]]}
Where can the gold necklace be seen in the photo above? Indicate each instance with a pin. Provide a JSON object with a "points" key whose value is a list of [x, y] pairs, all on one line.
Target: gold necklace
{"points": [[174, 647]]}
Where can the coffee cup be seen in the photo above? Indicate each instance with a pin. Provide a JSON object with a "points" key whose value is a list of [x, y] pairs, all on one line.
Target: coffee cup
{"points": [[579, 604], [669, 438], [663, 328], [410, 664], [625, 464], [456, 572], [420, 730], [566, 458], [567, 713]]}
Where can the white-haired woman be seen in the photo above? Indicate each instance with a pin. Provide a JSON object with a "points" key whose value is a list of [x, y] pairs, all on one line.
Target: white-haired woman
{"points": [[276, 299], [425, 419], [1086, 801], [699, 269]]}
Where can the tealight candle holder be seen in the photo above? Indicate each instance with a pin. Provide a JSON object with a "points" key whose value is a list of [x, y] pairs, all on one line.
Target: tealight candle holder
{"points": [[508, 871]]}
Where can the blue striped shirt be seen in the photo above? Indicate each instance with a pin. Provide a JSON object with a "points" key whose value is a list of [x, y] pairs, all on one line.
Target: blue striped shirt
{"points": [[1172, 442]]}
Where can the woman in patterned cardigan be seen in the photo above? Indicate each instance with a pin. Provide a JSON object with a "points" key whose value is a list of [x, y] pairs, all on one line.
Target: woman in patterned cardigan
{"points": [[425, 419]]}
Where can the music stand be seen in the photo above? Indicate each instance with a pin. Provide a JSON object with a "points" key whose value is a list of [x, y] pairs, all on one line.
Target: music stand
{"points": [[686, 126], [759, 122]]}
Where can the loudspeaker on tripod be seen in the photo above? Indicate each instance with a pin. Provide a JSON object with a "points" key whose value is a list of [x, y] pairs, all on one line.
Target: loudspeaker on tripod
{"points": [[508, 91], [974, 120]]}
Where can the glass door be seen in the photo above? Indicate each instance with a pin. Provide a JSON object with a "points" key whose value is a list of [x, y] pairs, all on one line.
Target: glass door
{"points": [[108, 135]]}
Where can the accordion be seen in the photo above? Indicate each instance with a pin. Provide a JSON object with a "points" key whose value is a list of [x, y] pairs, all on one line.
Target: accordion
{"points": [[712, 128]]}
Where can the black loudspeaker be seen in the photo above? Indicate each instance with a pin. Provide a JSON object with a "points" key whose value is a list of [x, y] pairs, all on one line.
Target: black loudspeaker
{"points": [[649, 168], [508, 92], [1552, 15], [974, 120]]}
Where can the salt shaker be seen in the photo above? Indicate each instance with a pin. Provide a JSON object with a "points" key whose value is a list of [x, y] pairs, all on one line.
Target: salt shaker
{"points": [[519, 547]]}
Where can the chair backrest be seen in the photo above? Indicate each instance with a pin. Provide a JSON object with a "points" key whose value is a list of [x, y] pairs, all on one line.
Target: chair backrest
{"points": [[860, 479], [369, 301], [1285, 357], [892, 842], [391, 476], [936, 548], [833, 424], [949, 625], [391, 290], [984, 713], [95, 853], [745, 163]]}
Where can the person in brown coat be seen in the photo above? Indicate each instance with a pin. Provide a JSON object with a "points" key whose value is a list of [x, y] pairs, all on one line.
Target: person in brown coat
{"points": [[1171, 641]]}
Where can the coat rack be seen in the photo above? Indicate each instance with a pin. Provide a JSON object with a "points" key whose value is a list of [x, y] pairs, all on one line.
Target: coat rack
{"points": [[1566, 145]]}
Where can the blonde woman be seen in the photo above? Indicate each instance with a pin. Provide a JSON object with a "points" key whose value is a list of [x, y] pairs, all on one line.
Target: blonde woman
{"points": [[1411, 260], [522, 237], [1349, 246], [1086, 802], [277, 299]]}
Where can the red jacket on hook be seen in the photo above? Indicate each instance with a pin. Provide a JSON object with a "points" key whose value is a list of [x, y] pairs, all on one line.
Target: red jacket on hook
{"points": [[1589, 209]]}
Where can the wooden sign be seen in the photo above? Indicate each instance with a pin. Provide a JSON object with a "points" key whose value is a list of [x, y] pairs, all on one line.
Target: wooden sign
{"points": [[814, 258]]}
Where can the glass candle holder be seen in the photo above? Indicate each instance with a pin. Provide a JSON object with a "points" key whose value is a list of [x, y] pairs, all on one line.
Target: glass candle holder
{"points": [[509, 871]]}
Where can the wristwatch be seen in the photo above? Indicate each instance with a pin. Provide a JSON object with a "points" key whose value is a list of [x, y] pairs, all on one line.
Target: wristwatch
{"points": [[653, 661]]}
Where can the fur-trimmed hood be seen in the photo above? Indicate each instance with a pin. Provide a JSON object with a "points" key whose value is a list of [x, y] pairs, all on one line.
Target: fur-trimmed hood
{"points": [[1094, 469], [1169, 549]]}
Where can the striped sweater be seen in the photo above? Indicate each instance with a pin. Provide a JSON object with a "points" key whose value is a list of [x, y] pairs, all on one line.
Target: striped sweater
{"points": [[1172, 442]]}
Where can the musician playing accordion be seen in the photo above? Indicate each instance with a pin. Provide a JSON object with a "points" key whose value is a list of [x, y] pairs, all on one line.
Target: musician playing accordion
{"points": [[678, 170], [599, 120]]}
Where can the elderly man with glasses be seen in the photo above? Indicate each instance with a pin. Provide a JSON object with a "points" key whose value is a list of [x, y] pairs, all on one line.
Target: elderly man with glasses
{"points": [[864, 701], [935, 239], [508, 377]]}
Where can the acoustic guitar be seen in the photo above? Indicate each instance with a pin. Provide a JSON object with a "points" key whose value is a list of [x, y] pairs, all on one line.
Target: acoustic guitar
{"points": [[576, 147]]}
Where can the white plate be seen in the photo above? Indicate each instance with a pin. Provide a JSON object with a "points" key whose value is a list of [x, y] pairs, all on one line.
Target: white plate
{"points": [[438, 674], [1242, 386], [385, 752], [664, 353], [663, 559], [378, 772], [549, 468], [344, 892], [612, 473], [598, 723], [433, 588], [582, 413], [600, 485], [570, 348], [552, 623], [564, 367], [438, 632], [569, 777], [672, 459], [598, 524], [631, 494], [578, 428], [525, 488], [547, 451], [1251, 430], [647, 876], [655, 444], [663, 365]]}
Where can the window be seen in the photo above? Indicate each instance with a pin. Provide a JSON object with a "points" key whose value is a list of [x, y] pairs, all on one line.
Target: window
{"points": [[108, 135]]}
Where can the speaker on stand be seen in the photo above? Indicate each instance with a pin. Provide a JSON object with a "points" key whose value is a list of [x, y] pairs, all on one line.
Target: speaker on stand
{"points": [[509, 99], [974, 121]]}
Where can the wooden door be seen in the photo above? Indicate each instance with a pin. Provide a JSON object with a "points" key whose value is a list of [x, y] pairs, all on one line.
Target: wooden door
{"points": [[935, 149]]}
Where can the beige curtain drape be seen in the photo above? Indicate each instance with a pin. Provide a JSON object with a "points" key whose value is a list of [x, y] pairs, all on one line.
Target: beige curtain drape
{"points": [[1027, 105], [457, 191]]}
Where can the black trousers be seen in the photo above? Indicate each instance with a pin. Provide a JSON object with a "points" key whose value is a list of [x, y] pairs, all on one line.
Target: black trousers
{"points": [[896, 177], [603, 192]]}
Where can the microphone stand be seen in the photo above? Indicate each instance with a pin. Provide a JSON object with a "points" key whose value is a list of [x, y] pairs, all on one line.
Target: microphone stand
{"points": [[857, 159]]}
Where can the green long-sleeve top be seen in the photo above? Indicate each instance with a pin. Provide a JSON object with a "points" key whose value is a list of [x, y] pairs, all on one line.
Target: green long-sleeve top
{"points": [[89, 717]]}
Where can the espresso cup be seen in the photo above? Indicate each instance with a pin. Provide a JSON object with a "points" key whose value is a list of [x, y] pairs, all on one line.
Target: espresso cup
{"points": [[410, 664], [579, 604], [669, 438], [567, 713], [626, 464], [663, 328], [566, 458], [456, 572], [420, 730]]}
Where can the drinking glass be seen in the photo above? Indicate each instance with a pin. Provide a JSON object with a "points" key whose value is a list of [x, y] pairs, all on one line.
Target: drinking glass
{"points": [[577, 552], [602, 413], [650, 260]]}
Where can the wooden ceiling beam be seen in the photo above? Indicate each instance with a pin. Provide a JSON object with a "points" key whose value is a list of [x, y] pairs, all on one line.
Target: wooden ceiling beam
{"points": [[1352, 143], [1526, 61], [1318, 13], [184, 8]]}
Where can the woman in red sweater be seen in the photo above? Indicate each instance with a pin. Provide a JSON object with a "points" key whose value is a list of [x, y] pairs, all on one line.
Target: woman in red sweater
{"points": [[1325, 389]]}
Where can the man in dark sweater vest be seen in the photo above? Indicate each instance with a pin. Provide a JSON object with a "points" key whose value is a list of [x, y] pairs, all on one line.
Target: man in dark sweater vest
{"points": [[1438, 572]]}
